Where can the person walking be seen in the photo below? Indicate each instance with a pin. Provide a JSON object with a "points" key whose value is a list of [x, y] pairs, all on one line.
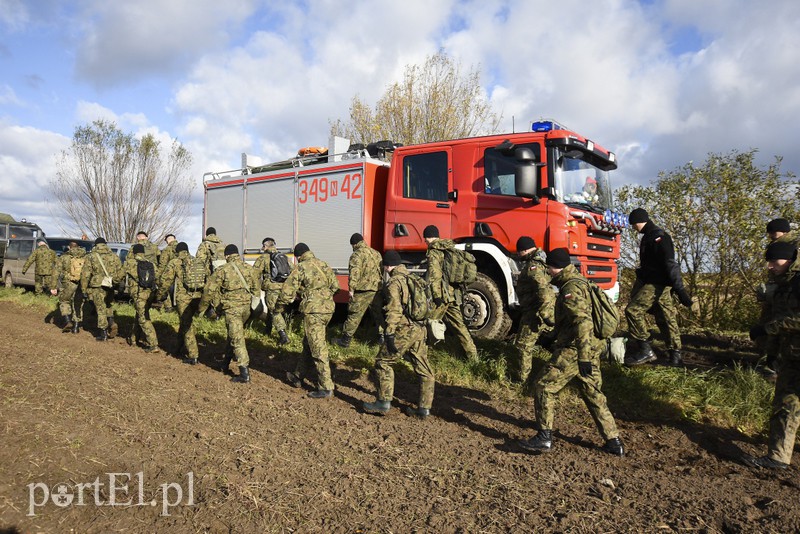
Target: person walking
{"points": [[576, 355], [188, 277], [70, 298], [44, 261], [657, 277], [101, 273], [316, 284], [272, 259], [404, 338], [140, 275], [365, 278]]}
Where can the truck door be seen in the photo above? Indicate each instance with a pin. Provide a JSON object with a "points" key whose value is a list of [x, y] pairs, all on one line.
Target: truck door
{"points": [[419, 196]]}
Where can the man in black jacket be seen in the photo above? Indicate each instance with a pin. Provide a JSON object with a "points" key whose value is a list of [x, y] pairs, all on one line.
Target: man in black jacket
{"points": [[657, 277]]}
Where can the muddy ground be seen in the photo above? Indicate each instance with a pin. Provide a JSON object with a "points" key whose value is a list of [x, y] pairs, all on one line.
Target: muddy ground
{"points": [[264, 458]]}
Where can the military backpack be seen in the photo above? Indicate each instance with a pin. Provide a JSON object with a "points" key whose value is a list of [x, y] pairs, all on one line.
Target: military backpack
{"points": [[194, 274], [419, 306], [75, 268], [279, 267], [146, 274], [459, 267], [605, 315], [217, 253]]}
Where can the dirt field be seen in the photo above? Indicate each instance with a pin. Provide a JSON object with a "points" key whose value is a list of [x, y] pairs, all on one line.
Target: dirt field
{"points": [[264, 458]]}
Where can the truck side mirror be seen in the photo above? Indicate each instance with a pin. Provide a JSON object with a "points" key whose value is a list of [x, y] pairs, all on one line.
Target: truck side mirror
{"points": [[526, 174]]}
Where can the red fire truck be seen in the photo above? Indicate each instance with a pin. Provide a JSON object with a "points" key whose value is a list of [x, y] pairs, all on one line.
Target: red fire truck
{"points": [[484, 192]]}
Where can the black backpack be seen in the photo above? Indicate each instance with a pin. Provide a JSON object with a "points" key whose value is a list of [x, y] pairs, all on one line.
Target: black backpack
{"points": [[146, 274], [279, 267]]}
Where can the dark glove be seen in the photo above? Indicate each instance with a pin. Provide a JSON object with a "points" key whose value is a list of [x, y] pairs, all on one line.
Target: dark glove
{"points": [[585, 369], [390, 346], [438, 301], [757, 332], [684, 297], [548, 321]]}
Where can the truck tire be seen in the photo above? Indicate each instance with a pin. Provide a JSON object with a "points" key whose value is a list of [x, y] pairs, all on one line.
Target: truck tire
{"points": [[483, 309]]}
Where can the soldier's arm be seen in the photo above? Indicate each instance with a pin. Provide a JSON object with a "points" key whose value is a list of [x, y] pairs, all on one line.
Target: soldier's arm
{"points": [[31, 259], [333, 282], [394, 304], [168, 276], [86, 273], [546, 296], [435, 273], [354, 271], [211, 289], [117, 273], [289, 289], [578, 305]]}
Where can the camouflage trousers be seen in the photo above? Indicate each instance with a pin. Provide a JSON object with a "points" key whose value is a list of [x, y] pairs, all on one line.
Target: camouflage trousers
{"points": [[451, 314], [658, 300], [187, 308], [235, 317], [70, 300], [42, 282], [530, 328], [142, 302], [411, 344], [561, 369], [785, 419], [270, 299], [103, 300], [359, 304], [315, 350]]}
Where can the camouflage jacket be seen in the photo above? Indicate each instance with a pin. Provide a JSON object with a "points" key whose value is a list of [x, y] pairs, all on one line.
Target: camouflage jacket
{"points": [[206, 249], [440, 288], [167, 255], [227, 287], [45, 259], [573, 314], [173, 273], [314, 281], [131, 269], [365, 268], [64, 265], [534, 288], [397, 295], [785, 323], [151, 251], [93, 273], [262, 267]]}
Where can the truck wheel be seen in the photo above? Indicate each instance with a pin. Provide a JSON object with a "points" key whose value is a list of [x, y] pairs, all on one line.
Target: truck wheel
{"points": [[9, 283], [483, 310]]}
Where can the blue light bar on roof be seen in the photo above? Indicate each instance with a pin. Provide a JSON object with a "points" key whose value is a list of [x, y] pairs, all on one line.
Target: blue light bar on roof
{"points": [[545, 126]]}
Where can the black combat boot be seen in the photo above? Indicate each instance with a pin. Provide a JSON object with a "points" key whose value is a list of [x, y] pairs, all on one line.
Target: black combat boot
{"points": [[378, 407], [244, 375], [764, 462], [613, 446], [151, 349], [68, 324], [343, 341], [541, 442], [675, 358], [381, 339], [283, 338], [112, 328], [103, 335], [644, 354], [294, 380], [76, 327], [225, 367], [321, 394], [419, 413], [189, 360]]}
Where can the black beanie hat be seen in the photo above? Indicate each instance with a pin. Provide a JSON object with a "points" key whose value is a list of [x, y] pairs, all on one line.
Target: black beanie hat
{"points": [[181, 247], [300, 249], [558, 258], [356, 238], [639, 215], [231, 249], [211, 230], [391, 258], [267, 239], [778, 225], [430, 231], [142, 232], [99, 240], [138, 248], [525, 242], [780, 250]]}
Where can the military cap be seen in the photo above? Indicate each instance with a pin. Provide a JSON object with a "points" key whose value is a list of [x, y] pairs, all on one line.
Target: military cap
{"points": [[558, 258], [181, 247], [778, 225], [300, 249], [391, 258], [231, 249], [430, 231], [639, 215], [525, 242], [780, 250], [356, 238]]}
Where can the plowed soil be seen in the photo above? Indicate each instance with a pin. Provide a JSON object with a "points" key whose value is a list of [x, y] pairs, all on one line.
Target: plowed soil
{"points": [[265, 458]]}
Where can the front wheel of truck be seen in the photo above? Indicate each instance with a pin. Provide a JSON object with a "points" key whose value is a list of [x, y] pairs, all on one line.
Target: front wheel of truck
{"points": [[483, 310]]}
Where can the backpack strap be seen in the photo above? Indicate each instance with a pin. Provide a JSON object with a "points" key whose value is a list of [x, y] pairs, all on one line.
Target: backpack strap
{"points": [[102, 264], [246, 285]]}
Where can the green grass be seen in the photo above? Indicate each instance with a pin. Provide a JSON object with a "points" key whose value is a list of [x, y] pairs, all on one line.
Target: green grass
{"points": [[735, 397]]}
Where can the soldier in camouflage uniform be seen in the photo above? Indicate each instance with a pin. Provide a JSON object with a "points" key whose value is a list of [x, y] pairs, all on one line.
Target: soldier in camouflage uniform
{"points": [[234, 284], [785, 326], [536, 300], [272, 289], [167, 255], [209, 249], [45, 260], [187, 300], [151, 251], [576, 354], [447, 297], [70, 298], [316, 283], [405, 338], [142, 298], [365, 281], [101, 262], [657, 277]]}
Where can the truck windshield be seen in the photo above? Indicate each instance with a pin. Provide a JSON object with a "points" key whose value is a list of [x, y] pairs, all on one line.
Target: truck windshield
{"points": [[580, 183]]}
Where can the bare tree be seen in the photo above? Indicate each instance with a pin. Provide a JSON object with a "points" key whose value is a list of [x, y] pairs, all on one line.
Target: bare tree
{"points": [[434, 102], [111, 184]]}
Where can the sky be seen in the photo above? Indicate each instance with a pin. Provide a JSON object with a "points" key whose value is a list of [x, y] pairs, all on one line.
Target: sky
{"points": [[659, 82]]}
